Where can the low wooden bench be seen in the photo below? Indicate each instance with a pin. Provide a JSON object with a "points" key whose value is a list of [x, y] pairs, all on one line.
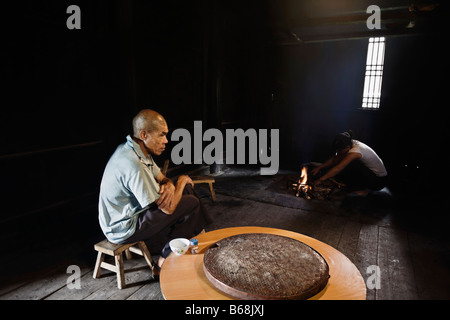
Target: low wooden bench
{"points": [[116, 250], [206, 179]]}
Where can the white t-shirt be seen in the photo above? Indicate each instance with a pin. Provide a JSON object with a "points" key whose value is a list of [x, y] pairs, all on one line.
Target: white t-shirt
{"points": [[369, 158]]}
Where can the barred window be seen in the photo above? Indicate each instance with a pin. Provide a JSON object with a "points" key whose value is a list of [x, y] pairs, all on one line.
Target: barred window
{"points": [[374, 73]]}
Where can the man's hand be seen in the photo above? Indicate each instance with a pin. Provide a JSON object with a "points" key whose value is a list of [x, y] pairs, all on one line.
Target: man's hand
{"points": [[317, 183], [167, 192], [315, 171], [171, 195], [184, 180]]}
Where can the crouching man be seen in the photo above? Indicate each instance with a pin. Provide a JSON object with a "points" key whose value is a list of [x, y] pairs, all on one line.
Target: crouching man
{"points": [[137, 202]]}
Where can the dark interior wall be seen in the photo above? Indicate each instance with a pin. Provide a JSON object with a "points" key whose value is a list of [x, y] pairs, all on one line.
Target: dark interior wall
{"points": [[49, 67], [317, 90], [201, 60], [65, 95], [168, 46], [240, 54], [195, 60], [414, 113]]}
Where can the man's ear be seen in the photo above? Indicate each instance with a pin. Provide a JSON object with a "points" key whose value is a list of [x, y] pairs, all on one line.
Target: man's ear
{"points": [[142, 135]]}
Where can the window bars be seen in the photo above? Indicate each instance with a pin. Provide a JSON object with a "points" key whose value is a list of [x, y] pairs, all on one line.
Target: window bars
{"points": [[374, 73]]}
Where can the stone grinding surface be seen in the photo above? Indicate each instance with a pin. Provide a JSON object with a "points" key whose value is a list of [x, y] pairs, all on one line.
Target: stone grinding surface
{"points": [[265, 266]]}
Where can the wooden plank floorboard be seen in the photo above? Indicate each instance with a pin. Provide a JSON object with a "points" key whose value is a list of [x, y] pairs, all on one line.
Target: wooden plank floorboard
{"points": [[397, 272], [331, 230], [88, 284], [348, 243], [366, 254], [431, 262], [41, 287], [149, 291]]}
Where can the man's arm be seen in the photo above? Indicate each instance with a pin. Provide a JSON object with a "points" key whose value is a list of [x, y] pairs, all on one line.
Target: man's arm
{"points": [[168, 207], [349, 157], [163, 180], [334, 160], [324, 165], [167, 191]]}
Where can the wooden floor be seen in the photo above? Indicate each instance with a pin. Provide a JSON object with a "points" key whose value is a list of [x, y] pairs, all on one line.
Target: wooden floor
{"points": [[376, 233]]}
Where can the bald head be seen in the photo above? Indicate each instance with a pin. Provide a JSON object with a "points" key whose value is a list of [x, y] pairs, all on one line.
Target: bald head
{"points": [[147, 120]]}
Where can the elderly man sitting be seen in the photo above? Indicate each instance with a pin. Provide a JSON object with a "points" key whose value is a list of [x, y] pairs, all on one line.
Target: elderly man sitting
{"points": [[137, 202]]}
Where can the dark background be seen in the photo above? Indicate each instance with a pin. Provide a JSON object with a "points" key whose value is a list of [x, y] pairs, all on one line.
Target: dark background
{"points": [[68, 96]]}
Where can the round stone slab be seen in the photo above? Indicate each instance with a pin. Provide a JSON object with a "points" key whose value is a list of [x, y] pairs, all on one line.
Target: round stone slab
{"points": [[265, 266]]}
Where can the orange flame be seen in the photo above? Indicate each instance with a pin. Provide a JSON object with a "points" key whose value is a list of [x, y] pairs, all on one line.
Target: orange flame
{"points": [[301, 186], [303, 182], [304, 176]]}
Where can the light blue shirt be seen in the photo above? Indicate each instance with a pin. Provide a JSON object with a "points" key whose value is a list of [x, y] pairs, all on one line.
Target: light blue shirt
{"points": [[128, 187]]}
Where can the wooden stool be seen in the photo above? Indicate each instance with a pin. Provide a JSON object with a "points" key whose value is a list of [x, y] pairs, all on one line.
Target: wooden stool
{"points": [[116, 250], [206, 179]]}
